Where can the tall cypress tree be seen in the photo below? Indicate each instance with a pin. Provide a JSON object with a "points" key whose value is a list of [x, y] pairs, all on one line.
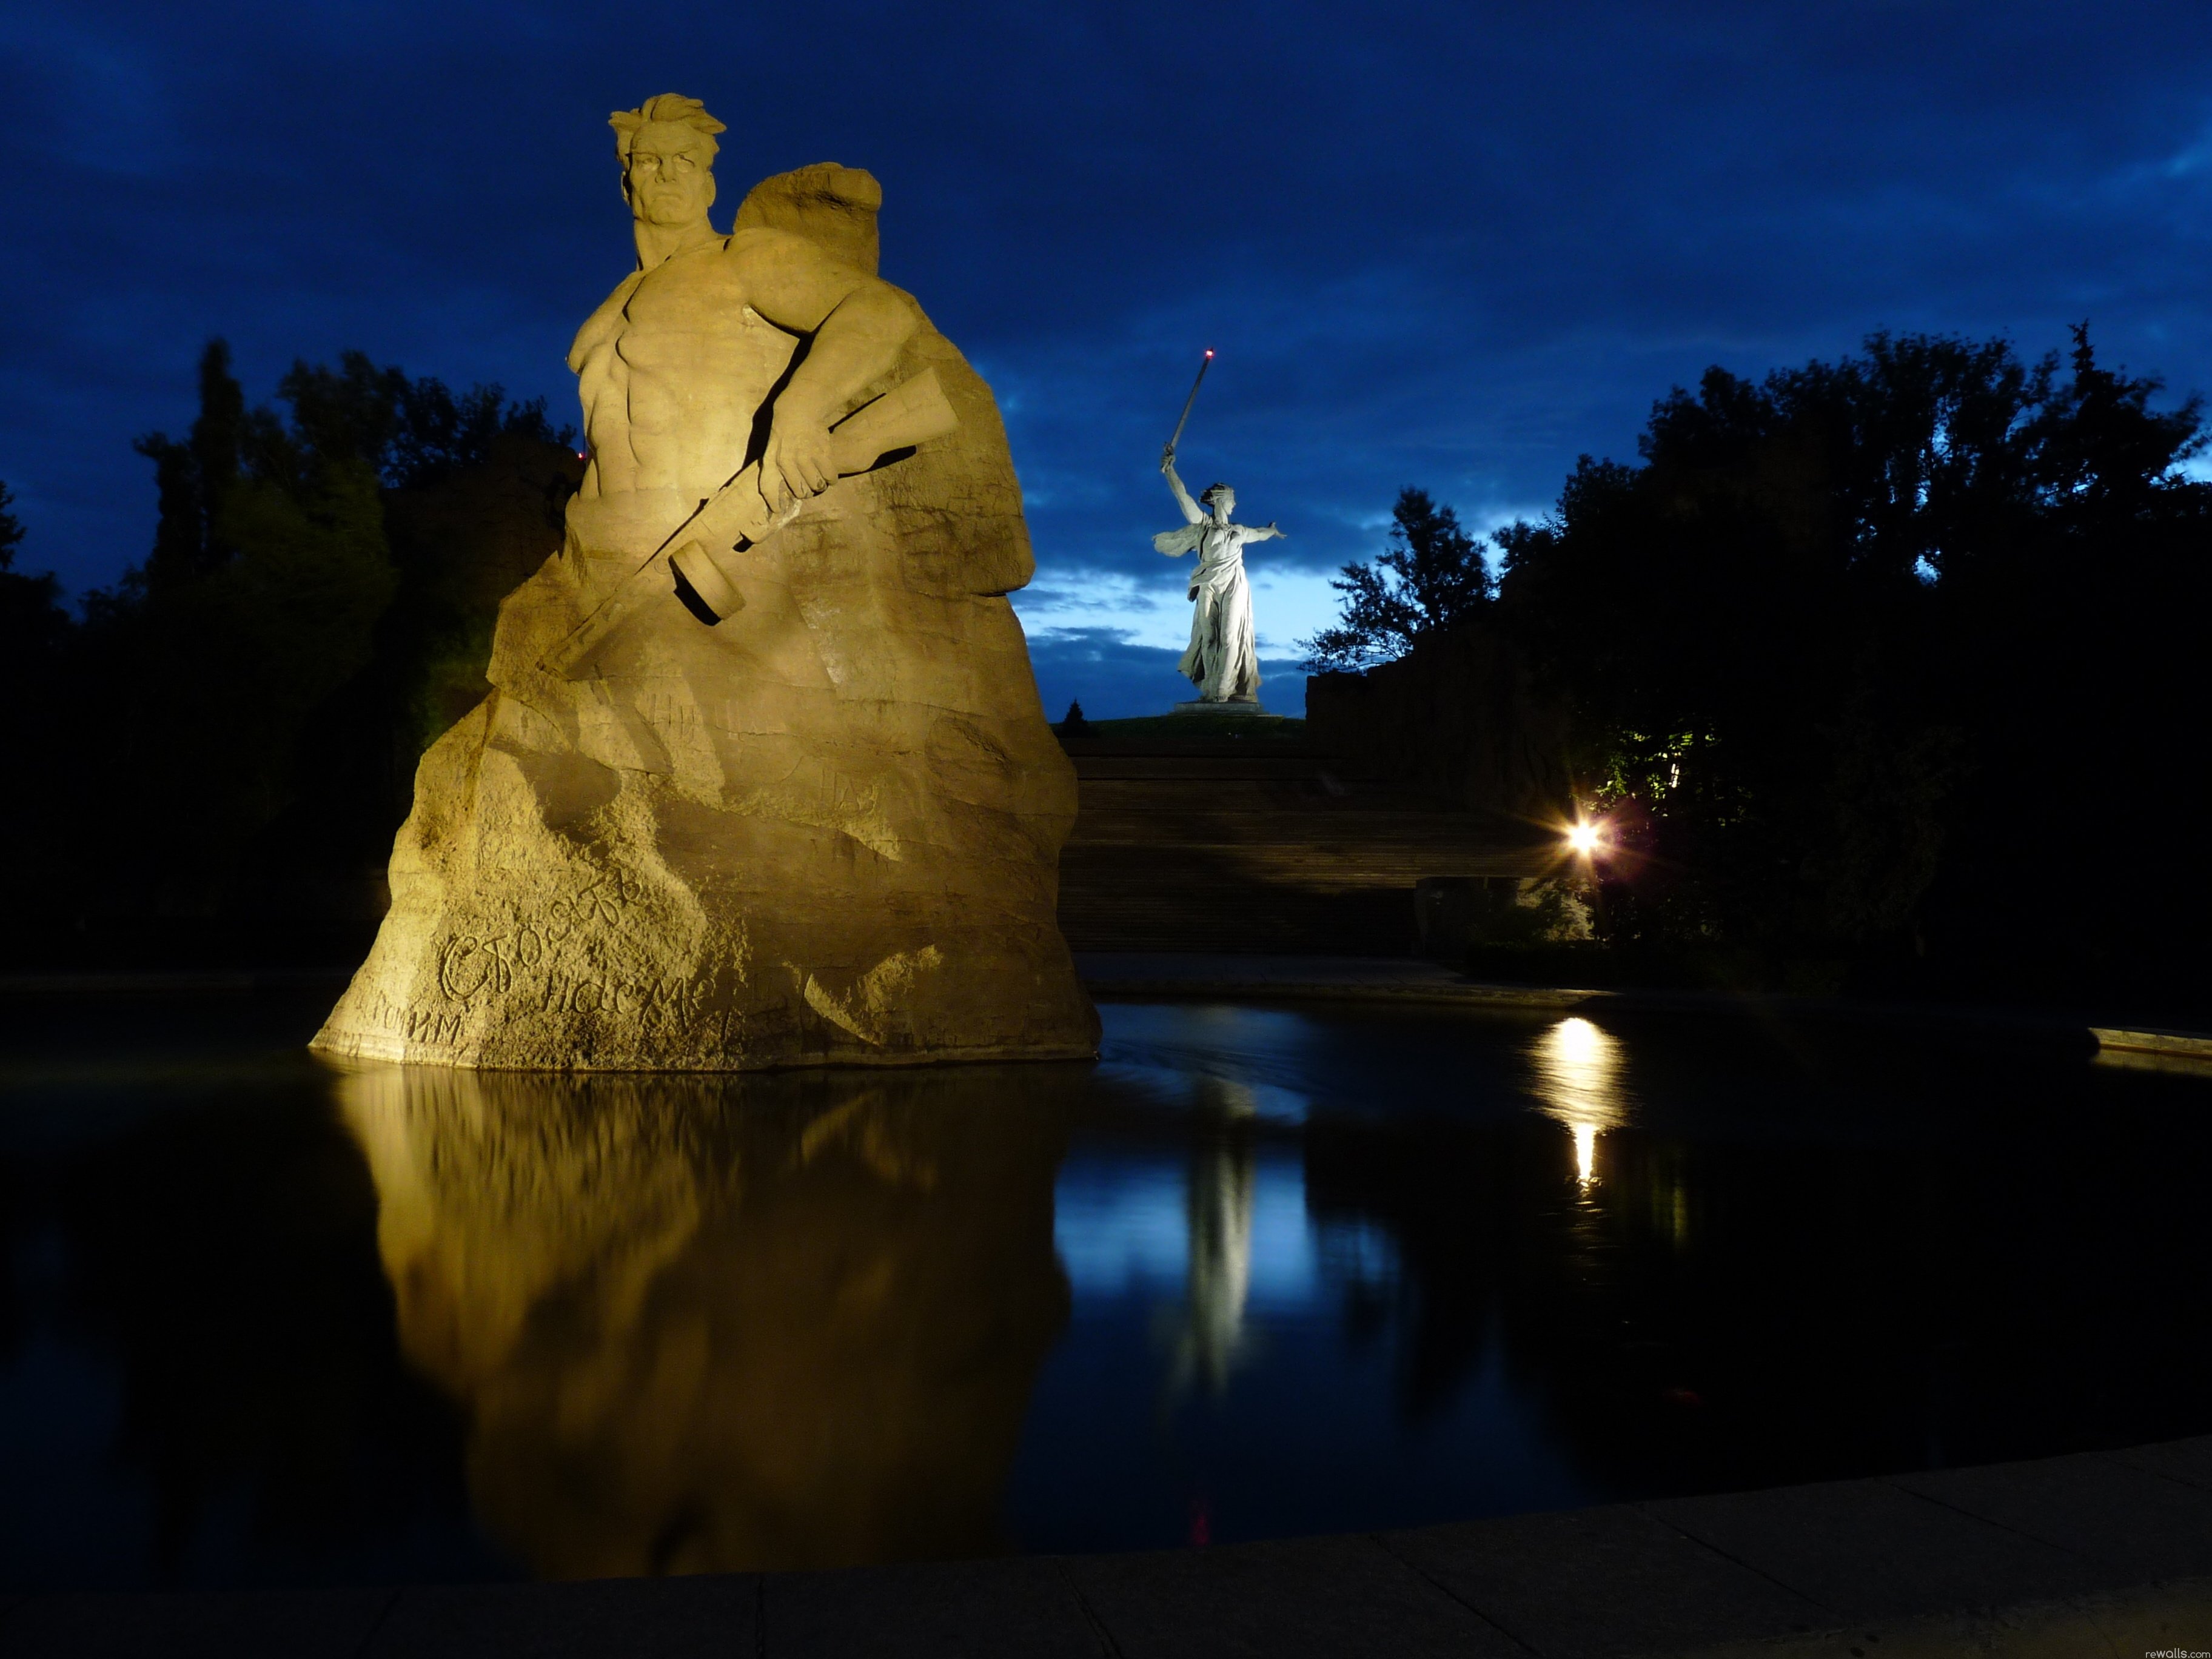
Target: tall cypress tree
{"points": [[191, 478]]}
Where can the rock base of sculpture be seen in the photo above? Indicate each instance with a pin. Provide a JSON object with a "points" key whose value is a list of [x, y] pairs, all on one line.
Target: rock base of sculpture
{"points": [[739, 848], [552, 913]]}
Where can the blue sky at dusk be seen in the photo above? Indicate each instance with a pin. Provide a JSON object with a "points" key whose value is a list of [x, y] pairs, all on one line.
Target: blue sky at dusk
{"points": [[1454, 246]]}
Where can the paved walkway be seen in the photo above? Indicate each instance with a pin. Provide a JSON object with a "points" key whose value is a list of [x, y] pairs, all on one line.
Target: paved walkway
{"points": [[2107, 1553]]}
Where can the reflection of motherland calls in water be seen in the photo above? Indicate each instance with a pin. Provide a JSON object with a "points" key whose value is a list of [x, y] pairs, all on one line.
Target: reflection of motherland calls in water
{"points": [[1217, 1218], [1576, 1070]]}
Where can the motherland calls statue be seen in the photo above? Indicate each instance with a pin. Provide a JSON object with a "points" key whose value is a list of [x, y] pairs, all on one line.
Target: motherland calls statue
{"points": [[762, 779], [1222, 659]]}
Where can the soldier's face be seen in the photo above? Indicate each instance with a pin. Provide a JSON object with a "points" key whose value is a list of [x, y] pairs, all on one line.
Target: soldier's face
{"points": [[670, 180]]}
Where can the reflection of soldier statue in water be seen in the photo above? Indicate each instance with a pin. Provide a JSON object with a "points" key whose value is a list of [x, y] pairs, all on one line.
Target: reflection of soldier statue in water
{"points": [[703, 1327]]}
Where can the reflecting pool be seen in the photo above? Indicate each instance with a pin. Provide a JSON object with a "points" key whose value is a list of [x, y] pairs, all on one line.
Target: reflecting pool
{"points": [[1260, 1271]]}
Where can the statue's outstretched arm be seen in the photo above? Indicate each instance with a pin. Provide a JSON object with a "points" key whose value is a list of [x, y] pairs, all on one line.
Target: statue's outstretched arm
{"points": [[1192, 512], [858, 325]]}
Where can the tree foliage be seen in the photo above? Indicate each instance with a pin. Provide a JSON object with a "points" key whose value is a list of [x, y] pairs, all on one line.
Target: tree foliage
{"points": [[1886, 655], [243, 710], [1429, 576], [31, 620], [33, 628]]}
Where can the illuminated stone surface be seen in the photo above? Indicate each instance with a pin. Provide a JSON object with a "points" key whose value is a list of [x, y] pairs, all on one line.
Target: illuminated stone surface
{"points": [[695, 1330], [825, 829]]}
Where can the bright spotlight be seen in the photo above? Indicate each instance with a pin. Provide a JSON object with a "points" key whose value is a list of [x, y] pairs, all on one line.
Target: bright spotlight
{"points": [[1584, 839]]}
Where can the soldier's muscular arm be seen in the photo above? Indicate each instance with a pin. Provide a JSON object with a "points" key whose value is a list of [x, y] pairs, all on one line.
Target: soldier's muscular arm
{"points": [[858, 326]]}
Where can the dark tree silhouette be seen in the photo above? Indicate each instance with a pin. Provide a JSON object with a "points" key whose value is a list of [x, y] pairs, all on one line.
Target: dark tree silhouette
{"points": [[232, 726], [1888, 658], [32, 621], [1430, 576], [34, 632]]}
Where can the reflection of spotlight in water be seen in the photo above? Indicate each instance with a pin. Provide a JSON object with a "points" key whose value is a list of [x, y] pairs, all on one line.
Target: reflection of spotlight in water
{"points": [[1578, 1073], [1577, 1066], [1579, 1042]]}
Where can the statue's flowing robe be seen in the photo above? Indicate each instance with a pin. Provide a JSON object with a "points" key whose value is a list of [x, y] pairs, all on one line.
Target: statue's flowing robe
{"points": [[825, 830], [1222, 659]]}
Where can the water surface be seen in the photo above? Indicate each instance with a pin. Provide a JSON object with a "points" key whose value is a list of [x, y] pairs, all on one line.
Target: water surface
{"points": [[1261, 1271]]}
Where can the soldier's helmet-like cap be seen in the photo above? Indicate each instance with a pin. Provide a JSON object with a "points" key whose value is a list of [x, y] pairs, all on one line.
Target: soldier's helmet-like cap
{"points": [[666, 107]]}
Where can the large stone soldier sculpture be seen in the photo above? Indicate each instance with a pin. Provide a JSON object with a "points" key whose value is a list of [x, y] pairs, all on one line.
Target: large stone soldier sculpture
{"points": [[824, 828]]}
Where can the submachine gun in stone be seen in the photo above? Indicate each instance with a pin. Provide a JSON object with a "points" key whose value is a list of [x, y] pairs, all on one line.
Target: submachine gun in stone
{"points": [[705, 550]]}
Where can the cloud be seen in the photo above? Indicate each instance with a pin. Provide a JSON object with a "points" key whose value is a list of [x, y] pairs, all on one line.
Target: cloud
{"points": [[1446, 246], [1116, 677]]}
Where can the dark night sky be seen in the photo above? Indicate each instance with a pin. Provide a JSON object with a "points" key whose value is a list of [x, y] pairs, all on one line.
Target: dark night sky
{"points": [[1453, 246]]}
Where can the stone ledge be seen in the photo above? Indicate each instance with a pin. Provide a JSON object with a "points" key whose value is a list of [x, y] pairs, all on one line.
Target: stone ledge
{"points": [[2158, 1619], [2177, 1045], [1334, 989], [1162, 975], [2106, 1553]]}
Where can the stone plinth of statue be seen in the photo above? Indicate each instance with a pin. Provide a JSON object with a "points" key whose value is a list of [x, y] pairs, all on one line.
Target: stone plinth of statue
{"points": [[762, 779], [1229, 708]]}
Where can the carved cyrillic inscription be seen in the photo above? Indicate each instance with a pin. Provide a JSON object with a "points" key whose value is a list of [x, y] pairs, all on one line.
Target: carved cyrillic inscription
{"points": [[590, 993], [469, 963], [417, 1025], [432, 1026], [603, 901], [564, 961]]}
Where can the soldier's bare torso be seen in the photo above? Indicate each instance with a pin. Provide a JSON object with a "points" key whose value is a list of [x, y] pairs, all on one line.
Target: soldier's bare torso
{"points": [[673, 369]]}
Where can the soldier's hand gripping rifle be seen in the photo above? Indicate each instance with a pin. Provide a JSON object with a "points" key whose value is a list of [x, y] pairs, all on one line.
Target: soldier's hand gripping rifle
{"points": [[706, 550]]}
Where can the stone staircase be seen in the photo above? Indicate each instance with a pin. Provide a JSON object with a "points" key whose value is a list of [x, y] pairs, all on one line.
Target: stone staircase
{"points": [[1198, 850]]}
